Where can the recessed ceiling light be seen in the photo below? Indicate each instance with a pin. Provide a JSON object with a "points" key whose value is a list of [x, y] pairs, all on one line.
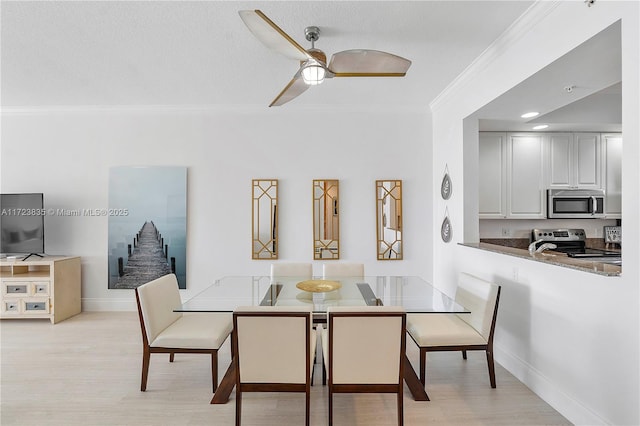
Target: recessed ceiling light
{"points": [[529, 114], [540, 127]]}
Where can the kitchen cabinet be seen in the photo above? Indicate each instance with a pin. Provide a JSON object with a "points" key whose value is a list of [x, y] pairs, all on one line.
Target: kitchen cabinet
{"points": [[612, 151], [526, 195], [492, 169], [575, 161], [511, 182]]}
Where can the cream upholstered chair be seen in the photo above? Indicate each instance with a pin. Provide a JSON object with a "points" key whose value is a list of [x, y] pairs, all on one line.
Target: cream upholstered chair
{"points": [[342, 269], [274, 348], [363, 350], [303, 270], [165, 331], [461, 332]]}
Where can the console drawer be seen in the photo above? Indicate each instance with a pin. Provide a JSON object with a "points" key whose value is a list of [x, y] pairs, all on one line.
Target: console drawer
{"points": [[15, 288], [10, 307], [40, 288], [35, 306]]}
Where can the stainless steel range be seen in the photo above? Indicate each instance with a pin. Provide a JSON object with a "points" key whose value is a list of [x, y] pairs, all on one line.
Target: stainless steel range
{"points": [[572, 242]]}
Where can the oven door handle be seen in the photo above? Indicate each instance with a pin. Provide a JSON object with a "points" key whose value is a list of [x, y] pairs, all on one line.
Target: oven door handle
{"points": [[594, 205]]}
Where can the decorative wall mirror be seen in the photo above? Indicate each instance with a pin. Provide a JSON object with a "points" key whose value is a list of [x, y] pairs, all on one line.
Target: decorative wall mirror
{"points": [[389, 219], [326, 221], [264, 218]]}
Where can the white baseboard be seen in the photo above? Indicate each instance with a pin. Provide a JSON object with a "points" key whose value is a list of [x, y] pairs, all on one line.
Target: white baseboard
{"points": [[106, 305], [545, 388]]}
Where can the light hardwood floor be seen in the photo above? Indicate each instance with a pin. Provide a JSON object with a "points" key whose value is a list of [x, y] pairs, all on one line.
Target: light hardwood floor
{"points": [[86, 371]]}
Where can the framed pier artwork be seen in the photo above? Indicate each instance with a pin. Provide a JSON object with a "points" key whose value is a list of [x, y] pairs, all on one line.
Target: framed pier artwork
{"points": [[147, 225]]}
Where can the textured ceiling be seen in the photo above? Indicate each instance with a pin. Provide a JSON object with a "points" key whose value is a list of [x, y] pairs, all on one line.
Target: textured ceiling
{"points": [[200, 54]]}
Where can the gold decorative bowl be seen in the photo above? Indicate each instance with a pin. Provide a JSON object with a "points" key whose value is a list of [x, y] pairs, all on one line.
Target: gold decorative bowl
{"points": [[318, 286]]}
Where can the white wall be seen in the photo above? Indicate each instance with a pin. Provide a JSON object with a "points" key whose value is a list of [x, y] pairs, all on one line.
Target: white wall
{"points": [[570, 336], [66, 154]]}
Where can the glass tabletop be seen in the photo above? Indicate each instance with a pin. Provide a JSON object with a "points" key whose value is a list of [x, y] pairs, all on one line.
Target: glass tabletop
{"points": [[413, 293]]}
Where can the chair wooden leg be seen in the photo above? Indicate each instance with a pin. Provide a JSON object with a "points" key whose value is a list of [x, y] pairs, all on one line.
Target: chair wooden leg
{"points": [[214, 370], [464, 354], [324, 374], [400, 407], [423, 366], [171, 356], [330, 406], [146, 355], [238, 405], [492, 371], [307, 407]]}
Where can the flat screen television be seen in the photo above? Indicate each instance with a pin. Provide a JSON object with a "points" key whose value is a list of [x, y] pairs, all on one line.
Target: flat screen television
{"points": [[22, 223]]}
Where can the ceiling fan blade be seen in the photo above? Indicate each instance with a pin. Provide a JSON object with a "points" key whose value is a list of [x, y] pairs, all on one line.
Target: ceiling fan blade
{"points": [[272, 36], [295, 88], [368, 63]]}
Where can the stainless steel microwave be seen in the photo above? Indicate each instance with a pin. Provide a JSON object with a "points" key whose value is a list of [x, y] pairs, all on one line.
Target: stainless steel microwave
{"points": [[575, 203]]}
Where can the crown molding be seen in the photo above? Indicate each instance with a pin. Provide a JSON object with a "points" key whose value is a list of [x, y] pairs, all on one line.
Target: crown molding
{"points": [[521, 26]]}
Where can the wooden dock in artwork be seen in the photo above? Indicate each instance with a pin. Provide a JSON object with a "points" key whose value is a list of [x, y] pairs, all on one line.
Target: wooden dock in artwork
{"points": [[147, 260]]}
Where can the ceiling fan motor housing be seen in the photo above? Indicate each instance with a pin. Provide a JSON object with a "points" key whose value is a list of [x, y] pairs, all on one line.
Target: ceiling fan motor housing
{"points": [[312, 33], [317, 54]]}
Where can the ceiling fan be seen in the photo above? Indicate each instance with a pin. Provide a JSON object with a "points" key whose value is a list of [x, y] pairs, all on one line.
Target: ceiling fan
{"points": [[313, 62]]}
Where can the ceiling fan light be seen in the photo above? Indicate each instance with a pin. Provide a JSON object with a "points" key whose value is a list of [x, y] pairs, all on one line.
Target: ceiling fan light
{"points": [[313, 74]]}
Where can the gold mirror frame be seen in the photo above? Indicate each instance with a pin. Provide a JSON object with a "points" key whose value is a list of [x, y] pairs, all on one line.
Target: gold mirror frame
{"points": [[389, 219], [326, 220], [264, 219]]}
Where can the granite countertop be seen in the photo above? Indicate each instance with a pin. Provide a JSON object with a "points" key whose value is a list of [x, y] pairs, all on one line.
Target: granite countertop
{"points": [[523, 243], [551, 257]]}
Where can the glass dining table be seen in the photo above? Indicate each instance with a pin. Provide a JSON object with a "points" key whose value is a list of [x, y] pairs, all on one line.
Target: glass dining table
{"points": [[414, 294]]}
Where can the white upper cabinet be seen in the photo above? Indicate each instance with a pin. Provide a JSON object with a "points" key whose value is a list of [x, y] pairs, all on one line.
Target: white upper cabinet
{"points": [[612, 148], [511, 181], [575, 161], [588, 160], [492, 169], [559, 164], [525, 176]]}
